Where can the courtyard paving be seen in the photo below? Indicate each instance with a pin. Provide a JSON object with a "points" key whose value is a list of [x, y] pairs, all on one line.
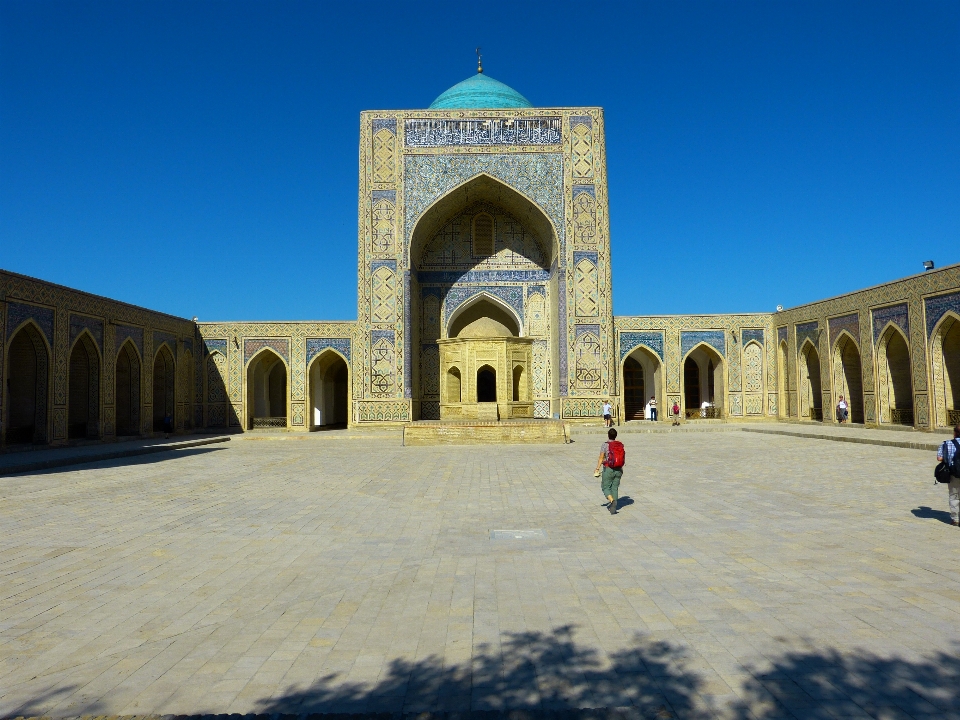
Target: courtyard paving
{"points": [[746, 575]]}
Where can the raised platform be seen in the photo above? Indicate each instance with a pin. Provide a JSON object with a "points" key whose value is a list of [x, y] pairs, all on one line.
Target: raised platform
{"points": [[482, 432]]}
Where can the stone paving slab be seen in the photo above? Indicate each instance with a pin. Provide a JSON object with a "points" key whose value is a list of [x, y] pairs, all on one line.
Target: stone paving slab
{"points": [[746, 576]]}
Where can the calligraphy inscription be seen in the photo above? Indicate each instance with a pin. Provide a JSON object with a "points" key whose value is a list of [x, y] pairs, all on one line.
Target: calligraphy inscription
{"points": [[492, 131]]}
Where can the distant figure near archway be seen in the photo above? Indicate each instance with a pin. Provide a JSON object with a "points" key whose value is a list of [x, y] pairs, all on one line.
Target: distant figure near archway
{"points": [[703, 387], [895, 394], [848, 376]]}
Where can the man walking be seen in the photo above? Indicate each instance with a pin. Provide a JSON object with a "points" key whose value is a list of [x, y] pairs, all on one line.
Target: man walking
{"points": [[612, 457], [607, 413], [948, 453]]}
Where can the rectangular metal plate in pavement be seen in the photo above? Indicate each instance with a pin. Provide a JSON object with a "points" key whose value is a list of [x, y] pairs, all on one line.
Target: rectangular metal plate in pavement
{"points": [[518, 535]]}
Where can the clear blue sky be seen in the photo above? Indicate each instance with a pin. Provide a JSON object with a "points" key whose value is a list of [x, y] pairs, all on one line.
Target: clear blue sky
{"points": [[201, 157]]}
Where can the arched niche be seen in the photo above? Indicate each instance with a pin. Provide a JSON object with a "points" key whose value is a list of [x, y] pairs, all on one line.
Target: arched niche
{"points": [[641, 378], [266, 392], [164, 390], [848, 374], [329, 390], [486, 384], [215, 389], [483, 192], [27, 380], [811, 395], [127, 390], [894, 377], [83, 389], [453, 388], [945, 357], [483, 316], [702, 384]]}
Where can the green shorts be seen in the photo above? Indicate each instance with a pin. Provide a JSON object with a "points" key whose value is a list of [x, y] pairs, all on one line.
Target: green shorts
{"points": [[610, 481]]}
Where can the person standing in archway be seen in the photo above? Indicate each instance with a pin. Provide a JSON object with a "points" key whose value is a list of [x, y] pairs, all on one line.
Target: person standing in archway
{"points": [[653, 408], [842, 410]]}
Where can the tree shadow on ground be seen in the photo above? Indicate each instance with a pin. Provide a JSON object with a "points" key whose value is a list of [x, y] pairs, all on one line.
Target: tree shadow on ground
{"points": [[821, 684], [548, 673], [527, 671], [927, 513]]}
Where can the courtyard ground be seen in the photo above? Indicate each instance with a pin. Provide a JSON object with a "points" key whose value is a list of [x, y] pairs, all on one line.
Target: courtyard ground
{"points": [[746, 575]]}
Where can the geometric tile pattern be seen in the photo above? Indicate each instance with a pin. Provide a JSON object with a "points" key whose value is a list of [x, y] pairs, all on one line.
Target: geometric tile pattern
{"points": [[897, 314], [850, 323], [936, 307]]}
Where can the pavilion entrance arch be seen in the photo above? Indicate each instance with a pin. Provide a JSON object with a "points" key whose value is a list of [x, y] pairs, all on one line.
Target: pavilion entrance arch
{"points": [[848, 375], [702, 382], [127, 390], [329, 390], [83, 389], [267, 391], [642, 377], [945, 357], [810, 390], [27, 387], [894, 377], [480, 258], [164, 389]]}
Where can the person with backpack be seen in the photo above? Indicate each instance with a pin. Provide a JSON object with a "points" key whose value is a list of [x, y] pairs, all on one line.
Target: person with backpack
{"points": [[612, 458], [949, 456]]}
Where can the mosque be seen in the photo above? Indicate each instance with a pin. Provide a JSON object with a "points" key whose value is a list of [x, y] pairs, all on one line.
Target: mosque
{"points": [[484, 294]]}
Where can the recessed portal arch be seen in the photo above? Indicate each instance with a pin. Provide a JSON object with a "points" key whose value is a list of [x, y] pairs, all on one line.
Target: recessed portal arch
{"points": [[27, 377], [484, 316], [127, 395], [329, 378], [266, 391], [641, 374], [811, 395], [164, 390], [848, 375], [783, 386], [946, 370], [702, 382], [83, 389], [895, 384]]}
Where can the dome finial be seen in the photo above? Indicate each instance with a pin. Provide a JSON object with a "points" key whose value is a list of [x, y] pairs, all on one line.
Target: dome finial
{"points": [[479, 62]]}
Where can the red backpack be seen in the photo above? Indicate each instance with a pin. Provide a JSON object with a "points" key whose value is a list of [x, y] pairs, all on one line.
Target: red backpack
{"points": [[616, 454]]}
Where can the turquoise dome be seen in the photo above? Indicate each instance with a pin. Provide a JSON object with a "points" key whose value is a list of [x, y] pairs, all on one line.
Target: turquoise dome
{"points": [[480, 91]]}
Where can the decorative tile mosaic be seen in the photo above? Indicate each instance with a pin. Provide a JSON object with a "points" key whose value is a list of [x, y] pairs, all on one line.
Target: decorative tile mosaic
{"points": [[317, 345], [385, 124], [581, 120], [782, 335], [430, 410], [390, 195], [751, 335], [579, 255], [376, 335], [938, 306], [18, 313], [449, 277], [589, 189], [215, 345], [512, 295], [850, 323], [629, 341], [689, 339], [251, 347], [541, 408], [160, 337], [897, 314], [808, 331], [123, 332], [94, 326], [482, 131], [377, 264]]}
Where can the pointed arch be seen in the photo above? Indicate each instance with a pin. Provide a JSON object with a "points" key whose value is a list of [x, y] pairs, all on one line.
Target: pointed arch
{"points": [[641, 377], [848, 374], [329, 382], [215, 389], [811, 385], [27, 381], [783, 385], [945, 369], [83, 388], [702, 381], [894, 376], [515, 326], [483, 187], [267, 390], [127, 391], [164, 389]]}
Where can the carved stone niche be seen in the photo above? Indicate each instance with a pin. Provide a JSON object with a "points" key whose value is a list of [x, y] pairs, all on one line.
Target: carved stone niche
{"points": [[486, 378]]}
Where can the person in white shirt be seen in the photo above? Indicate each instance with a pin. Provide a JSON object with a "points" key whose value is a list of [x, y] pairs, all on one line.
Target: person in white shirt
{"points": [[842, 410], [653, 407], [607, 413]]}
